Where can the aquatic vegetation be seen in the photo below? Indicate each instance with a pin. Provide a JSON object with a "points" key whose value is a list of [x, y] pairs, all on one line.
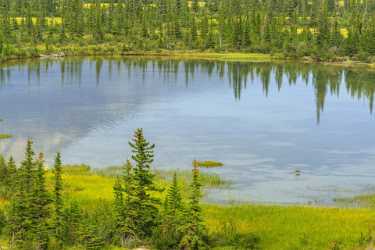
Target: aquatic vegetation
{"points": [[5, 136], [210, 164], [208, 180], [246, 226]]}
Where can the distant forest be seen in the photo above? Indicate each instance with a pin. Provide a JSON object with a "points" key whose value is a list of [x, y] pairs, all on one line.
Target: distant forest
{"points": [[320, 29]]}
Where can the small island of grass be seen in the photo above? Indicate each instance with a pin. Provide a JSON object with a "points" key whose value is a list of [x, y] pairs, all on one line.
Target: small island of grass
{"points": [[5, 136], [209, 164]]}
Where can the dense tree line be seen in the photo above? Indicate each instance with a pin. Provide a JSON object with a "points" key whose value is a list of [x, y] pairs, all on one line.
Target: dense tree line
{"points": [[323, 29], [42, 217]]}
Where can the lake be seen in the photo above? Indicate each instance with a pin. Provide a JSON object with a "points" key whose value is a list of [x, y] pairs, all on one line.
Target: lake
{"points": [[264, 121]]}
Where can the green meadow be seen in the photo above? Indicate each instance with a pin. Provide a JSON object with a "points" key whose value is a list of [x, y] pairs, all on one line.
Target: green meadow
{"points": [[273, 227]]}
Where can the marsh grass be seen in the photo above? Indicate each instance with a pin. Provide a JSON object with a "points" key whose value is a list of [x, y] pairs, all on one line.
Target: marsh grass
{"points": [[210, 164], [245, 226], [292, 227], [184, 176], [208, 180], [5, 136]]}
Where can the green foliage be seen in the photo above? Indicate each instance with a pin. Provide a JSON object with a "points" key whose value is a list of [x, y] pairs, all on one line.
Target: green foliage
{"points": [[225, 25], [5, 136], [210, 164], [40, 207], [29, 207], [168, 234], [22, 214], [194, 232], [91, 238], [143, 203], [58, 202], [230, 237], [72, 223]]}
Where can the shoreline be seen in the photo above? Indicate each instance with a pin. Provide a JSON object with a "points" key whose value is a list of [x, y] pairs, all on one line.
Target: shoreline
{"points": [[104, 50]]}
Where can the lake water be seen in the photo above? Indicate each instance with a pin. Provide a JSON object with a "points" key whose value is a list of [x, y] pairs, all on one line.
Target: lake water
{"points": [[263, 121]]}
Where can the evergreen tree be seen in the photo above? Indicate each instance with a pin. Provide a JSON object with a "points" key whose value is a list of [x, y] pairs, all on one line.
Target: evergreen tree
{"points": [[21, 217], [173, 201], [40, 207], [297, 27], [12, 175], [3, 171], [58, 202], [126, 204], [144, 205], [193, 230], [130, 199], [91, 238], [72, 223], [169, 233], [119, 208]]}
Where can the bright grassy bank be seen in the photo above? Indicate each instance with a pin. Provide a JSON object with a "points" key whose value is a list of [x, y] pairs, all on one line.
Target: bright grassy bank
{"points": [[273, 227], [121, 50], [296, 227]]}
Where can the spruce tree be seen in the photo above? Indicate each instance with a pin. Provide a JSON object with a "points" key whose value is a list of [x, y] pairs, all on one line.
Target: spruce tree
{"points": [[130, 204], [194, 231], [58, 202], [3, 171], [144, 205], [125, 206], [12, 175], [21, 213], [168, 234], [91, 238], [119, 207], [40, 207], [173, 201], [72, 223]]}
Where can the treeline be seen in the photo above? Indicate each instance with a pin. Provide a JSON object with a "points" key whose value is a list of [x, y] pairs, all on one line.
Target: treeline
{"points": [[40, 215], [322, 29]]}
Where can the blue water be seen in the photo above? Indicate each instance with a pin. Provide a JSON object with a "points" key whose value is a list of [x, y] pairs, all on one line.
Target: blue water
{"points": [[263, 121]]}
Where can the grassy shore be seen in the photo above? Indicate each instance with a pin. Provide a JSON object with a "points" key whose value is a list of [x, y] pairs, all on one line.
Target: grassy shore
{"points": [[120, 50], [268, 227]]}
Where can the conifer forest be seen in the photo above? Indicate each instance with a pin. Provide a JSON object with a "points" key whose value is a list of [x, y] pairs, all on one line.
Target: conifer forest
{"points": [[324, 30]]}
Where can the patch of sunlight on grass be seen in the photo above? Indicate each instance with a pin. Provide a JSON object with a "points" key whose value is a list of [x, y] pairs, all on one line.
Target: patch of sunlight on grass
{"points": [[294, 227], [50, 20]]}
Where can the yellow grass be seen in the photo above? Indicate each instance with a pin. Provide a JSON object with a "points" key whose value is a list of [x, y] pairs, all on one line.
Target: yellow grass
{"points": [[343, 31], [278, 227], [50, 20]]}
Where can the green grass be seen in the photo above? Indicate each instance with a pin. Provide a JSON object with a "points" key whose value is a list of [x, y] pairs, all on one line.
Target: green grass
{"points": [[119, 49], [5, 136], [90, 186], [208, 180], [210, 164], [294, 227], [270, 227]]}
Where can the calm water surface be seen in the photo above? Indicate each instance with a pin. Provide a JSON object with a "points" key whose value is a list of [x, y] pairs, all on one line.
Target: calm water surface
{"points": [[263, 121]]}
